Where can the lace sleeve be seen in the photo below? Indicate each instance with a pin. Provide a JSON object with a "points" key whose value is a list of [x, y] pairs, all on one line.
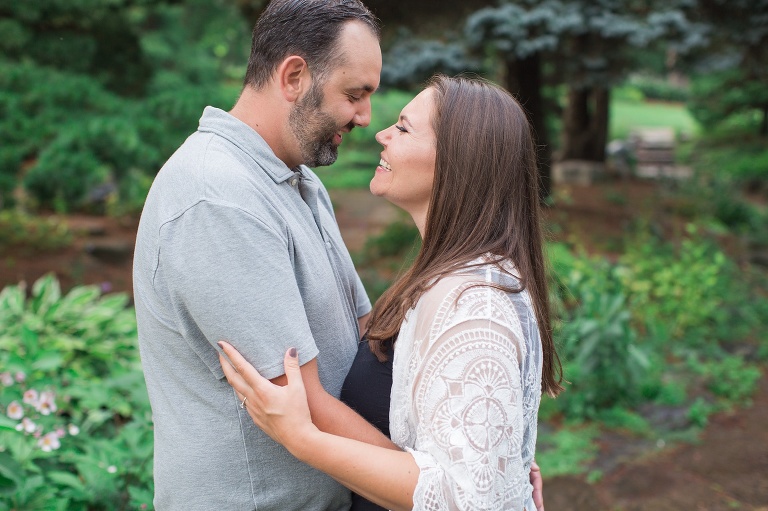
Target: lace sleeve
{"points": [[467, 396]]}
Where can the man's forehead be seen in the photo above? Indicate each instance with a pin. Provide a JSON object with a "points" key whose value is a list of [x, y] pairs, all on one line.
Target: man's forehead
{"points": [[363, 77], [360, 59]]}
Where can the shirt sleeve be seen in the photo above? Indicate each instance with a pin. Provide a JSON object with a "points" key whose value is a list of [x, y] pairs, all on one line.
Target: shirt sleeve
{"points": [[229, 277], [467, 398]]}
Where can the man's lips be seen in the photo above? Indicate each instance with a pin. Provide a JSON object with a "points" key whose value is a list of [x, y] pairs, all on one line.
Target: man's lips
{"points": [[336, 138]]}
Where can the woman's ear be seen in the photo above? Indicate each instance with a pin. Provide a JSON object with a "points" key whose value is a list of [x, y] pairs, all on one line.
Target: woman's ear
{"points": [[293, 77]]}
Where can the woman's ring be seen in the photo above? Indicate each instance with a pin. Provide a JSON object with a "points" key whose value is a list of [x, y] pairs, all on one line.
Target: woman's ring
{"points": [[242, 405]]}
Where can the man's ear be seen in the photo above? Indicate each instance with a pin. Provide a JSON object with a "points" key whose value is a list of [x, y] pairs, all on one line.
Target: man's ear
{"points": [[293, 77]]}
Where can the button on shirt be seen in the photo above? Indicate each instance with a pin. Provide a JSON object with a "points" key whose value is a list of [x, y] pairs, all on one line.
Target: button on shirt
{"points": [[233, 245]]}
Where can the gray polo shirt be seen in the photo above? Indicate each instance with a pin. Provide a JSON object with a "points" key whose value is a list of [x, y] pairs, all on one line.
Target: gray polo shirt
{"points": [[234, 245]]}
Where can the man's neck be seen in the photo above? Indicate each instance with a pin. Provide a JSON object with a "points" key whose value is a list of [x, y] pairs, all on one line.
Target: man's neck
{"points": [[267, 115]]}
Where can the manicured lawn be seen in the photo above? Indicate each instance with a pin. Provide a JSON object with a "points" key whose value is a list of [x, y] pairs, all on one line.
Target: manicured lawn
{"points": [[626, 115]]}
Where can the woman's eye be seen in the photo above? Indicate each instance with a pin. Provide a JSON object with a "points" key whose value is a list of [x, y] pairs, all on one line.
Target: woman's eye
{"points": [[401, 129]]}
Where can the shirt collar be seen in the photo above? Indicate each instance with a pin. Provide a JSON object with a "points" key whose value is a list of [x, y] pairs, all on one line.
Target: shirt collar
{"points": [[225, 125]]}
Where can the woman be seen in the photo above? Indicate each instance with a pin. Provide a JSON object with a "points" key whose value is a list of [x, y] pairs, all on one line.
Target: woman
{"points": [[473, 347]]}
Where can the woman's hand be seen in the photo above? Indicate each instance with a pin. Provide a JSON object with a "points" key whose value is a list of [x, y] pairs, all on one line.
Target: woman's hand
{"points": [[281, 412], [538, 486]]}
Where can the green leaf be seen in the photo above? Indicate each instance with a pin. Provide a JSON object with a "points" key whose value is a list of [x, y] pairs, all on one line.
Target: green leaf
{"points": [[11, 301], [45, 292], [29, 339], [639, 356], [115, 302], [7, 423], [10, 468], [67, 479], [75, 302], [48, 361]]}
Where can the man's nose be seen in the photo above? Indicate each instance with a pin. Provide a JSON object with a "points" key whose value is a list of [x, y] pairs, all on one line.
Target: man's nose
{"points": [[363, 116]]}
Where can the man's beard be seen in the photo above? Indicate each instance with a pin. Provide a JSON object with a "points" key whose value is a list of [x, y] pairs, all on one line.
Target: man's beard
{"points": [[314, 129]]}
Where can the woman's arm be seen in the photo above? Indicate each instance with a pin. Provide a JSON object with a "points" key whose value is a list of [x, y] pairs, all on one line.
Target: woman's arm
{"points": [[331, 415], [384, 476], [467, 399]]}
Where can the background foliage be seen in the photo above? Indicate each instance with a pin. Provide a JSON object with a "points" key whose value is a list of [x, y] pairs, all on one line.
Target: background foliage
{"points": [[80, 349], [96, 94]]}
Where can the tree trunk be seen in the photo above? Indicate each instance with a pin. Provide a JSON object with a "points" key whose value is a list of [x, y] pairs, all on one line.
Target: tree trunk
{"points": [[764, 124], [585, 124], [576, 121], [600, 120], [524, 81]]}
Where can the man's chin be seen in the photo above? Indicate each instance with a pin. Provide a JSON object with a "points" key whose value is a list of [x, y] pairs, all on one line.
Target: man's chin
{"points": [[329, 155], [326, 157]]}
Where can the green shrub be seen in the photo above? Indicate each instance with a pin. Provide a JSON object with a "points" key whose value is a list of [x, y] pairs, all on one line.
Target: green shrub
{"points": [[730, 98], [105, 91], [622, 326], [622, 418], [604, 360], [77, 425], [19, 230], [699, 412], [397, 238], [567, 451], [730, 378], [659, 88], [741, 161], [683, 288]]}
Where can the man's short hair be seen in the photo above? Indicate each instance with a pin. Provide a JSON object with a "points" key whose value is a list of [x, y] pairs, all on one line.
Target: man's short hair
{"points": [[307, 28]]}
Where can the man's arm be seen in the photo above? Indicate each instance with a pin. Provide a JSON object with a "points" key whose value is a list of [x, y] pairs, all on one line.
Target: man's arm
{"points": [[362, 322], [331, 415]]}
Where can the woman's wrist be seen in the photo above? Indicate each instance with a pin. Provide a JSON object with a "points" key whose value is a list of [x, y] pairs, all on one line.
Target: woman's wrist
{"points": [[305, 442]]}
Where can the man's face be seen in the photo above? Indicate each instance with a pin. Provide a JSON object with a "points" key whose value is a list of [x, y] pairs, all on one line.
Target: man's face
{"points": [[317, 131], [342, 101]]}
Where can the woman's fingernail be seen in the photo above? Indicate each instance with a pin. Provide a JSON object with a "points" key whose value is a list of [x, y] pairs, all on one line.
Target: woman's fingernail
{"points": [[292, 352], [221, 344]]}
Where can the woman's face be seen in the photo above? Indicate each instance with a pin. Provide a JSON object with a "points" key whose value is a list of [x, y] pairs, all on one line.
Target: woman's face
{"points": [[407, 168]]}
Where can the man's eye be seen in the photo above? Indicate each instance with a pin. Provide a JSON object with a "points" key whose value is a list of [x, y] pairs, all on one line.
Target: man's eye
{"points": [[354, 98]]}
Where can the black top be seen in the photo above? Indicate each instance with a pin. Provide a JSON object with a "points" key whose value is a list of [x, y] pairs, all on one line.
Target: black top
{"points": [[367, 391]]}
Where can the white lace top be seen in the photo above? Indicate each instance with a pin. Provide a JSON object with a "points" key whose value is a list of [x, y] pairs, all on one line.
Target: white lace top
{"points": [[466, 392]]}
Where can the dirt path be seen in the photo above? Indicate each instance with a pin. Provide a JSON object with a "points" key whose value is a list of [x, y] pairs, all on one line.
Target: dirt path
{"points": [[726, 470]]}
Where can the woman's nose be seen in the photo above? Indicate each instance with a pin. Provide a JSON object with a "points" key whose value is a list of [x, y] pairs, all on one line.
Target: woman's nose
{"points": [[382, 137]]}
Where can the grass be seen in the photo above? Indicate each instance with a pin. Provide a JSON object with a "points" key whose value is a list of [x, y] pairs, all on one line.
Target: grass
{"points": [[626, 115], [569, 450]]}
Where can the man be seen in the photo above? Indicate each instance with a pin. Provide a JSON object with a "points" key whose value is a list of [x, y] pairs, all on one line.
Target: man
{"points": [[238, 241]]}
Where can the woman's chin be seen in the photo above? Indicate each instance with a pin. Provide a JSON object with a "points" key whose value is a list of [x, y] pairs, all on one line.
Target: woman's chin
{"points": [[376, 187]]}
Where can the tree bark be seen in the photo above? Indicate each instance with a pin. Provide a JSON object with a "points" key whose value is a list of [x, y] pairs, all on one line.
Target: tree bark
{"points": [[601, 118], [524, 81], [576, 121], [585, 124]]}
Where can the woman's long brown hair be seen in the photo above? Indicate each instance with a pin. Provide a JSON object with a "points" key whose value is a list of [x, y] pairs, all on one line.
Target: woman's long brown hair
{"points": [[485, 200]]}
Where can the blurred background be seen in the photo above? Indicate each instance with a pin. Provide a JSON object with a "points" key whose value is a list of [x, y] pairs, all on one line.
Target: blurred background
{"points": [[652, 123]]}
